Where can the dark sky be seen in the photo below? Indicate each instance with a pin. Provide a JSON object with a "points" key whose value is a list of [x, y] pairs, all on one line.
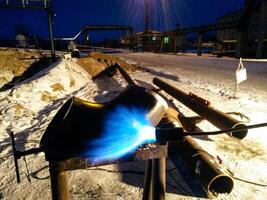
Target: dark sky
{"points": [[71, 15]]}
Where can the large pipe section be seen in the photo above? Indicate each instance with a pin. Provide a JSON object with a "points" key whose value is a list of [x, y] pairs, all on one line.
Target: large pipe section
{"points": [[211, 175], [201, 107]]}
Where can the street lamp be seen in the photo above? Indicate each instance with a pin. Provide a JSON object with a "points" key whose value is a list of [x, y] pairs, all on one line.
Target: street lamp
{"points": [[148, 14]]}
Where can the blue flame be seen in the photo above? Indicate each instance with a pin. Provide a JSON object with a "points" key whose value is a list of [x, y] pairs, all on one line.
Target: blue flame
{"points": [[125, 129]]}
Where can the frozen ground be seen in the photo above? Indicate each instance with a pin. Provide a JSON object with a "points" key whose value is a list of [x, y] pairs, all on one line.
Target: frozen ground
{"points": [[29, 106], [214, 80]]}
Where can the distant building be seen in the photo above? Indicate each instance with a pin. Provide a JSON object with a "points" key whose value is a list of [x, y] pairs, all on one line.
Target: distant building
{"points": [[227, 38], [173, 41], [241, 34], [249, 38], [144, 41], [155, 41]]}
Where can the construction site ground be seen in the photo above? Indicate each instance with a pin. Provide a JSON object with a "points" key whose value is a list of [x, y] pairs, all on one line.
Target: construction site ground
{"points": [[32, 90]]}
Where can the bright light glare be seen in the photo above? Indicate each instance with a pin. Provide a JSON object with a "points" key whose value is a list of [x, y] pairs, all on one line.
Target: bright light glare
{"points": [[148, 133], [125, 130]]}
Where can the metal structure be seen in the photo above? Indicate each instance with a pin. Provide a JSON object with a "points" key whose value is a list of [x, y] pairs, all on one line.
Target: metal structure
{"points": [[202, 29], [64, 148], [251, 6], [210, 173], [206, 28], [252, 18], [29, 4], [33, 5], [65, 141], [86, 29]]}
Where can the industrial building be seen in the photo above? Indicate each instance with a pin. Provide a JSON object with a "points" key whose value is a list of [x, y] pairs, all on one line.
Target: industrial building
{"points": [[240, 34], [155, 41], [249, 37]]}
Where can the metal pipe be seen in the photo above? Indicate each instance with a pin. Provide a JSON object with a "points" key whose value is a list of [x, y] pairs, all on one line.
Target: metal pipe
{"points": [[49, 12], [15, 157], [147, 193], [59, 182], [125, 75], [206, 167], [159, 178], [214, 116]]}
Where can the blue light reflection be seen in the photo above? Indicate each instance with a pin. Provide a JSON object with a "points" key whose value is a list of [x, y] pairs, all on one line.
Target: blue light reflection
{"points": [[125, 129]]}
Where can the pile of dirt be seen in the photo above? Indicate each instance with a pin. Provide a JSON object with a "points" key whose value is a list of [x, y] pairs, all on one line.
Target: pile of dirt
{"points": [[91, 65], [17, 60], [96, 62], [17, 65], [109, 60]]}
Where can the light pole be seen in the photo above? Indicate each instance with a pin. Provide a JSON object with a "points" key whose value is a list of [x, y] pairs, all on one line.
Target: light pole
{"points": [[148, 14]]}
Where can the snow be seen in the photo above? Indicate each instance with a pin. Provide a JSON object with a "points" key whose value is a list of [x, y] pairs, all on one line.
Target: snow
{"points": [[26, 112], [28, 108], [210, 78]]}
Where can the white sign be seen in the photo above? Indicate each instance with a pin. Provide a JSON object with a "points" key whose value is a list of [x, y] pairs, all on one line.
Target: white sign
{"points": [[241, 73]]}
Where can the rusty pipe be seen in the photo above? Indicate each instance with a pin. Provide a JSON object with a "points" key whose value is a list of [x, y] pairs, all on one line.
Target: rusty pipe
{"points": [[59, 181], [211, 175], [158, 178], [218, 118], [147, 191]]}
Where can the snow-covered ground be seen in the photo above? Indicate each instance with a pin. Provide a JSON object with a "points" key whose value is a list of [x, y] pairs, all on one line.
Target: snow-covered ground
{"points": [[28, 108], [214, 80]]}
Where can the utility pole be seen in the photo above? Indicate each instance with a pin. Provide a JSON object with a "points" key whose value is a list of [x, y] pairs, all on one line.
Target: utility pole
{"points": [[243, 26], [261, 32], [50, 26], [35, 5], [199, 44]]}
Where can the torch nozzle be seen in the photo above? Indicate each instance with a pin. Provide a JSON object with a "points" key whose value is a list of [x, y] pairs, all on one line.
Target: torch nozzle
{"points": [[164, 135]]}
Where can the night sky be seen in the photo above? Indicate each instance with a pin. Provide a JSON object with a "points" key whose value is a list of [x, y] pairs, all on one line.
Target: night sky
{"points": [[71, 15]]}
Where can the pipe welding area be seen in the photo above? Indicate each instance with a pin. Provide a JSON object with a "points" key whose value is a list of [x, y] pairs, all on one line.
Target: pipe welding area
{"points": [[84, 134], [73, 141]]}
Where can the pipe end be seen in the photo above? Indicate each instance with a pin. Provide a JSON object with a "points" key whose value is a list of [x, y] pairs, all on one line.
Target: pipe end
{"points": [[240, 134], [220, 185]]}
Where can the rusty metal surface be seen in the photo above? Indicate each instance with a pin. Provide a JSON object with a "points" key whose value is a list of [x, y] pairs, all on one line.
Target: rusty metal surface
{"points": [[79, 122], [159, 179], [214, 116], [158, 151], [147, 192], [211, 175], [59, 182]]}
